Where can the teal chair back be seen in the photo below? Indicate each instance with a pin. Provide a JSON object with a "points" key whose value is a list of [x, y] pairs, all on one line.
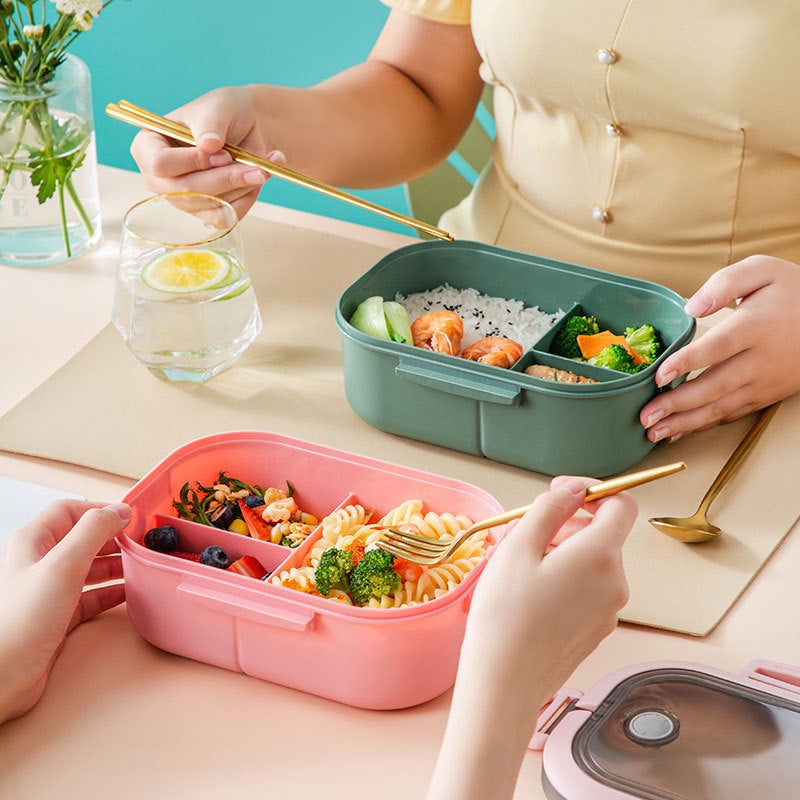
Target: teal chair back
{"points": [[430, 195]]}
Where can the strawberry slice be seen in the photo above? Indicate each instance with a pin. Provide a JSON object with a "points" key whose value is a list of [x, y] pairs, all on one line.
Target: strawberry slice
{"points": [[187, 556], [255, 524], [247, 565]]}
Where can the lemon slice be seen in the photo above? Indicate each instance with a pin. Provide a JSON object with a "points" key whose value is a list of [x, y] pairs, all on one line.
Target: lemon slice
{"points": [[183, 271]]}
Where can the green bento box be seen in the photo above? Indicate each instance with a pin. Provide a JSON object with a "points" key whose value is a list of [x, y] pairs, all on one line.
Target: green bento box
{"points": [[506, 414]]}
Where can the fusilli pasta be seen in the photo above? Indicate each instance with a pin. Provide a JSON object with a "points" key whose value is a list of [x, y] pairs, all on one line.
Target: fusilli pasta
{"points": [[349, 528]]}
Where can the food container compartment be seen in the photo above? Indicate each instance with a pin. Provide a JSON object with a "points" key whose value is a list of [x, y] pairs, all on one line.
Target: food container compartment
{"points": [[502, 414], [673, 731], [367, 657]]}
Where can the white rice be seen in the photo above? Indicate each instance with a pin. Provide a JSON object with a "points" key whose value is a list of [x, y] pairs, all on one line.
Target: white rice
{"points": [[483, 315]]}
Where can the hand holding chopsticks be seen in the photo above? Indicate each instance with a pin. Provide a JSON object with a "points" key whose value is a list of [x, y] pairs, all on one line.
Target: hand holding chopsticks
{"points": [[134, 115]]}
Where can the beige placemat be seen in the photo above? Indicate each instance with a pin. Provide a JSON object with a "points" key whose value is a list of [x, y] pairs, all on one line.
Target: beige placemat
{"points": [[103, 410]]}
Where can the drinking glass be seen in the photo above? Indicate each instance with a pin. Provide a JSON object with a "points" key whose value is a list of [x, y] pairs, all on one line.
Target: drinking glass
{"points": [[183, 301]]}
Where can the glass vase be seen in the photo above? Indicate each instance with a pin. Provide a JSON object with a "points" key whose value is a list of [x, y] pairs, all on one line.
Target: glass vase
{"points": [[49, 202]]}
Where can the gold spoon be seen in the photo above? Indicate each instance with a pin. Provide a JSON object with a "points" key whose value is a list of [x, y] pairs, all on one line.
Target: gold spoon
{"points": [[697, 528]]}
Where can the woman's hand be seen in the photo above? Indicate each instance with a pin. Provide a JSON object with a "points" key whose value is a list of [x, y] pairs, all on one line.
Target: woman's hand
{"points": [[43, 571], [748, 358], [534, 618], [223, 115]]}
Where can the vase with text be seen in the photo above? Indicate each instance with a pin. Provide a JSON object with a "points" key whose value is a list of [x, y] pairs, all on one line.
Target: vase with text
{"points": [[49, 202]]}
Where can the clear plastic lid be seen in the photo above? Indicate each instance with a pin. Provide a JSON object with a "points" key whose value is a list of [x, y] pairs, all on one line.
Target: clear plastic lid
{"points": [[676, 734]]}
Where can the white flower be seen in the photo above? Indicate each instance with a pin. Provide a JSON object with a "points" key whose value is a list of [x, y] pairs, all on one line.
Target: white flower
{"points": [[33, 31], [83, 10], [83, 21]]}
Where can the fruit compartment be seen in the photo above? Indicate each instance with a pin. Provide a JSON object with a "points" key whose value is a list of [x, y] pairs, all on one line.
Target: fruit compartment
{"points": [[195, 537]]}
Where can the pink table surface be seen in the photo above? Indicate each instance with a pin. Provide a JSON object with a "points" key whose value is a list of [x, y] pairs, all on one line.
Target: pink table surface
{"points": [[122, 719]]}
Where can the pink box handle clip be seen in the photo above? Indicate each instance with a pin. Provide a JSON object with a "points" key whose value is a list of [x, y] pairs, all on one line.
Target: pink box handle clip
{"points": [[760, 673], [266, 611], [550, 714]]}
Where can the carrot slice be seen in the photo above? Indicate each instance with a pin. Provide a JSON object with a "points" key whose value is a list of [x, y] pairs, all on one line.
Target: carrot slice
{"points": [[591, 345]]}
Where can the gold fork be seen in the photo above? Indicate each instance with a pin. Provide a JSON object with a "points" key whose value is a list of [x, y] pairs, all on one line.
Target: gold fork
{"points": [[425, 550]]}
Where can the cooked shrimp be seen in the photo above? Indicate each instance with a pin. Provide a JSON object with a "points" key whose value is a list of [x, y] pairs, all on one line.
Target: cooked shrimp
{"points": [[496, 351], [440, 331]]}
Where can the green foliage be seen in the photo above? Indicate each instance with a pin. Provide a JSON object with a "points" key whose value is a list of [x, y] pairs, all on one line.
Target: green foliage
{"points": [[565, 341], [48, 169], [374, 576], [31, 49]]}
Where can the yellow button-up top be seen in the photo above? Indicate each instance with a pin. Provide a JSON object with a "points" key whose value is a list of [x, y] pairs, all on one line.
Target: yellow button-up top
{"points": [[656, 139]]}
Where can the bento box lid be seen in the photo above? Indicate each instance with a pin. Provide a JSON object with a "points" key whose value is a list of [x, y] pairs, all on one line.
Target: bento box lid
{"points": [[672, 730]]}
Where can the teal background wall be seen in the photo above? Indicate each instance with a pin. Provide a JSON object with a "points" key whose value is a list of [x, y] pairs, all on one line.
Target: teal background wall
{"points": [[162, 53]]}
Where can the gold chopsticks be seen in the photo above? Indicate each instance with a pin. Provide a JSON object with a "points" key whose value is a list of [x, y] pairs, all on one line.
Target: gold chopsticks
{"points": [[134, 115]]}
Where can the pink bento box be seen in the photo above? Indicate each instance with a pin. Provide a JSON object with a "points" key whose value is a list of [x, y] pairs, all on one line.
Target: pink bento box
{"points": [[371, 658]]}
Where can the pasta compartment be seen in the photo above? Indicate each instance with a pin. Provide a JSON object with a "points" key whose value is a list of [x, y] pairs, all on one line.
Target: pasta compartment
{"points": [[354, 522]]}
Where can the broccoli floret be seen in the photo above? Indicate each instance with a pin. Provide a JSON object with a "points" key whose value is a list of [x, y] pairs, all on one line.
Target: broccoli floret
{"points": [[644, 342], [374, 575], [615, 356], [332, 571], [565, 344]]}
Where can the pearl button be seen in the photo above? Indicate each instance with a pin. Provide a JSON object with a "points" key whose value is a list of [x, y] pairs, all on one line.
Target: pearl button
{"points": [[601, 214], [612, 129], [606, 56]]}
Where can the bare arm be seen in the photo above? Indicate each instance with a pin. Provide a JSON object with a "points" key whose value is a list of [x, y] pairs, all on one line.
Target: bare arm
{"points": [[386, 120], [533, 619], [381, 122]]}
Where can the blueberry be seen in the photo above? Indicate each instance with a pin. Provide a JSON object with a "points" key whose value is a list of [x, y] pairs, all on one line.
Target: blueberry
{"points": [[253, 501], [215, 557], [222, 516], [164, 539]]}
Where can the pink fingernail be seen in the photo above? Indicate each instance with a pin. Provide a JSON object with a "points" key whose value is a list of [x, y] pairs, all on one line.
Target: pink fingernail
{"points": [[254, 176], [698, 304], [573, 486], [675, 437], [122, 510], [654, 417], [277, 157], [663, 380], [219, 159], [660, 433], [210, 138]]}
